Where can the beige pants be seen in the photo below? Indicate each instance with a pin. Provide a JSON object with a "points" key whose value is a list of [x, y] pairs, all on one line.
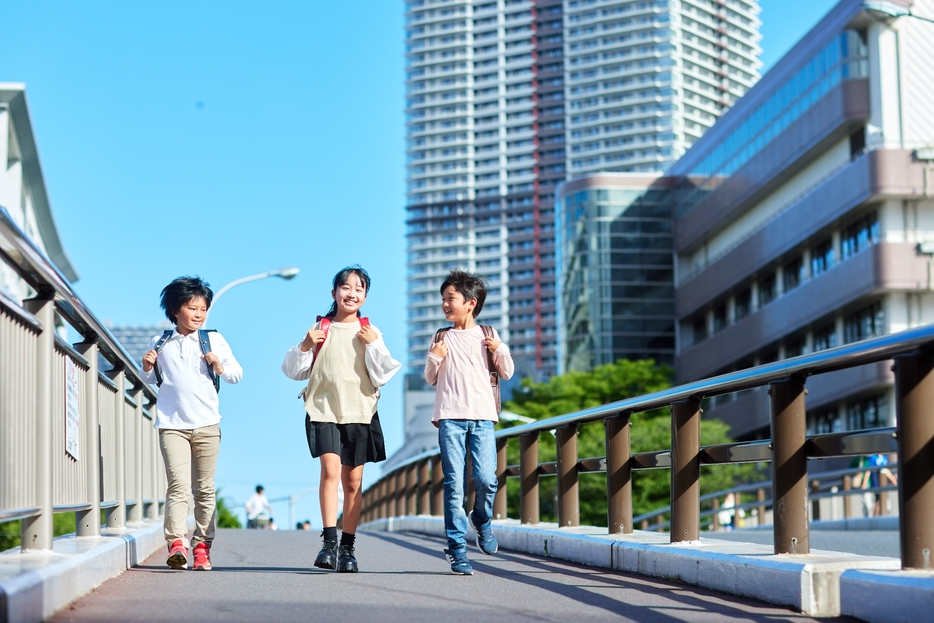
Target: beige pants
{"points": [[190, 459]]}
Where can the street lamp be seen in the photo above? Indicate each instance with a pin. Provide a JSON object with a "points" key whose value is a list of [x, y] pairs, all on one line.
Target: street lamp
{"points": [[284, 273]]}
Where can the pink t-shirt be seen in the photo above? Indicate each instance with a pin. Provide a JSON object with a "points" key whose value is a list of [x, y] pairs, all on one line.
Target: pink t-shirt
{"points": [[463, 378]]}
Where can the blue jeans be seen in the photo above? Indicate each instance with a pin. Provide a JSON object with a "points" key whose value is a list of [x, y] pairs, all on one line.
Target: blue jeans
{"points": [[456, 437]]}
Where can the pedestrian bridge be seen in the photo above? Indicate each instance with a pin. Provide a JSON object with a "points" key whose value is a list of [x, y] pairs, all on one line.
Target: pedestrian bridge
{"points": [[76, 438]]}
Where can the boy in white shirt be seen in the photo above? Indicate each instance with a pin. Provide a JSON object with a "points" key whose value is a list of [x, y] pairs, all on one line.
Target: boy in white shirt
{"points": [[187, 415]]}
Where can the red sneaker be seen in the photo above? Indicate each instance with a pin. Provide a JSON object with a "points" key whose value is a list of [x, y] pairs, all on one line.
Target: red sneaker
{"points": [[178, 555], [202, 554]]}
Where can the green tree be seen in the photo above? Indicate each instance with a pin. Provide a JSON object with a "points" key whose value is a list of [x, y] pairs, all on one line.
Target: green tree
{"points": [[226, 517], [649, 431]]}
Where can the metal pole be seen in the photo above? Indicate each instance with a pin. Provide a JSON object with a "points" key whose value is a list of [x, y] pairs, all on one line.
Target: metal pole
{"points": [[154, 442], [411, 490], [914, 395], [685, 470], [528, 479], [499, 502], [116, 515], [789, 467], [424, 488], [88, 523], [568, 495], [437, 487], [618, 475], [135, 512], [36, 531]]}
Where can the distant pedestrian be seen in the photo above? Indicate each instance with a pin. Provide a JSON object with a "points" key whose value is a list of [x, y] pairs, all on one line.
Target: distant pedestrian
{"points": [[345, 361], [299, 525], [258, 510], [306, 526], [186, 363], [272, 524], [465, 411]]}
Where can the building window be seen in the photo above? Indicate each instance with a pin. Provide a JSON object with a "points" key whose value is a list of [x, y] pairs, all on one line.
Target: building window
{"points": [[792, 275], [825, 422], [867, 413], [742, 304], [825, 338], [719, 318], [700, 329], [794, 348], [862, 234], [864, 324], [821, 258], [766, 290]]}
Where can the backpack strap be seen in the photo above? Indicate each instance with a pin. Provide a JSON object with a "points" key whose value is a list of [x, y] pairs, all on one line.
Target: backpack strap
{"points": [[205, 341], [364, 321], [160, 344], [494, 375], [439, 334]]}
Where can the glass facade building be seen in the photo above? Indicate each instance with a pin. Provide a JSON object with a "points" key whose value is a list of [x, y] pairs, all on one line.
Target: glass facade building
{"points": [[615, 271]]}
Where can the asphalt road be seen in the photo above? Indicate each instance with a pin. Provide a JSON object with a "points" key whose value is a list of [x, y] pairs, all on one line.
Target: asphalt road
{"points": [[863, 542], [263, 577]]}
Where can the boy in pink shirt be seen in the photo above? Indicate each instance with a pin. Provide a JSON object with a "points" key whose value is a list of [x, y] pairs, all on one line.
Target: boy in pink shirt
{"points": [[465, 412]]}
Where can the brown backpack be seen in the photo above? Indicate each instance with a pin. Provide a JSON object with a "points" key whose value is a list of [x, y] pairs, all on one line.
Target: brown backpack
{"points": [[494, 375]]}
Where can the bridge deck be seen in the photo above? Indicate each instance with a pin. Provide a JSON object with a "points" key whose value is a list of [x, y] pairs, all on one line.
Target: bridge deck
{"points": [[264, 576]]}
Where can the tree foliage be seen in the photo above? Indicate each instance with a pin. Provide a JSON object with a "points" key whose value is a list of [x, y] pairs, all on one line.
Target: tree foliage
{"points": [[226, 518], [649, 431]]}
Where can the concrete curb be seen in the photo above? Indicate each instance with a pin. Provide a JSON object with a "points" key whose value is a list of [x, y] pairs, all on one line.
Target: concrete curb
{"points": [[35, 585], [809, 583], [872, 595]]}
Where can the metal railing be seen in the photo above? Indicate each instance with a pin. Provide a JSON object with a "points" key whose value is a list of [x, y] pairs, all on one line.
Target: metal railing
{"points": [[414, 487], [110, 460]]}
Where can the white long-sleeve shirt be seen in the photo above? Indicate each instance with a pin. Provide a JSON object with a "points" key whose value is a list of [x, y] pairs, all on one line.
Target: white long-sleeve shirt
{"points": [[342, 386], [463, 377], [187, 398]]}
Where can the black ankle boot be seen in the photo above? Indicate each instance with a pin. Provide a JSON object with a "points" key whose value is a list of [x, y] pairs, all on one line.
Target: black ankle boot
{"points": [[346, 563], [327, 557]]}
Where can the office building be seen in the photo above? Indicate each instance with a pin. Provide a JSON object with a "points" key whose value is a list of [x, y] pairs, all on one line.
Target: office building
{"points": [[803, 217]]}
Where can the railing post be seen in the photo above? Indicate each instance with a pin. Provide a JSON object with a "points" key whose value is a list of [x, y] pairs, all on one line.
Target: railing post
{"points": [[437, 487], [914, 395], [760, 496], [715, 518], [424, 489], [36, 531], [568, 500], [499, 502], [528, 479], [618, 474], [685, 470], [400, 493], [847, 498], [88, 523], [135, 512], [383, 510], [411, 490], [789, 467], [116, 515], [156, 453]]}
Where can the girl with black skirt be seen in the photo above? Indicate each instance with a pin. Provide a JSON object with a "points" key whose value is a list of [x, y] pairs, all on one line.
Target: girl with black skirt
{"points": [[345, 361]]}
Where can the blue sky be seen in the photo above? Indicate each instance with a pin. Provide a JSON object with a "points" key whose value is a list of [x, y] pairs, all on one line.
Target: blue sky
{"points": [[226, 139]]}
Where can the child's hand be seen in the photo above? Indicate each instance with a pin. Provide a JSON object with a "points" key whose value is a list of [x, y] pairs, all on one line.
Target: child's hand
{"points": [[314, 336], [215, 363], [439, 349], [149, 360], [368, 334], [491, 342]]}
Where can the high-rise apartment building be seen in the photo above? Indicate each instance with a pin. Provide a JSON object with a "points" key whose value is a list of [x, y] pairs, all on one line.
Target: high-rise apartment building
{"points": [[508, 98]]}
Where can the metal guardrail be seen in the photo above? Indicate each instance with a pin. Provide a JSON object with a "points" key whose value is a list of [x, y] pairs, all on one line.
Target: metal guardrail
{"points": [[416, 485], [118, 466]]}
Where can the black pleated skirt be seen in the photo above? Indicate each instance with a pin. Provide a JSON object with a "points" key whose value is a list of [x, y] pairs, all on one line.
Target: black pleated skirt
{"points": [[355, 443]]}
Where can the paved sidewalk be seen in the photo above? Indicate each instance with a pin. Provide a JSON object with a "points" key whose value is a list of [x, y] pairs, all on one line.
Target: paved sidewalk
{"points": [[267, 577]]}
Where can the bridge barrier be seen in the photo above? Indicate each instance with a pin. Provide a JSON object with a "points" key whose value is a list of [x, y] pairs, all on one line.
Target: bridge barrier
{"points": [[73, 438], [414, 487]]}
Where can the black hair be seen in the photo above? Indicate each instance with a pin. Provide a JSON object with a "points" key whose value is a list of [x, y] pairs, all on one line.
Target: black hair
{"points": [[182, 290], [470, 286], [259, 488], [341, 278]]}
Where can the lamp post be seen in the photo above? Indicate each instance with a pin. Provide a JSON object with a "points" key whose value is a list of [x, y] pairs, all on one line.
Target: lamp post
{"points": [[284, 273]]}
